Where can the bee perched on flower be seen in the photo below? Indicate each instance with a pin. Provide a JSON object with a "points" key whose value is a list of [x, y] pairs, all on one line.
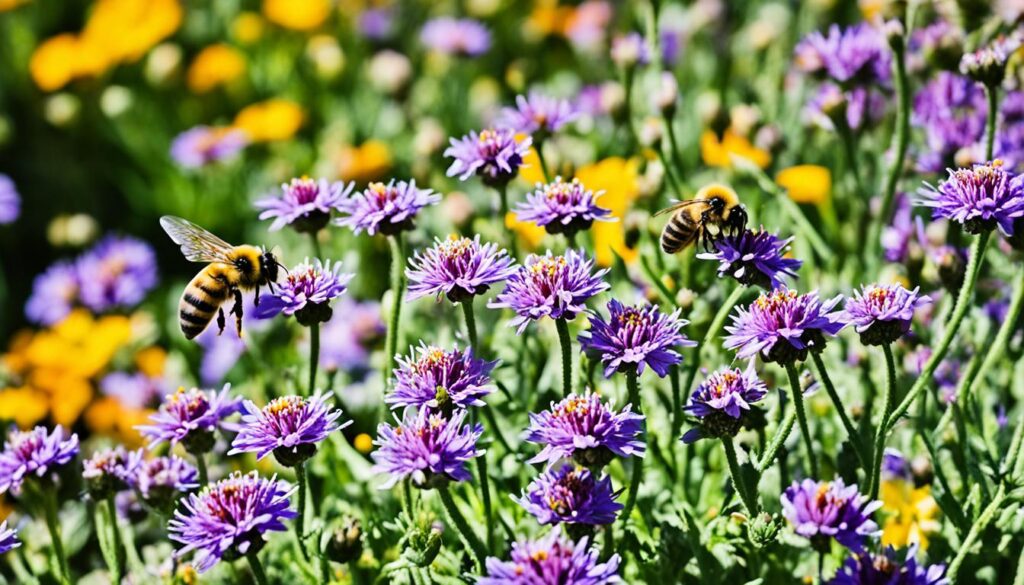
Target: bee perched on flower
{"points": [[980, 198], [305, 204]]}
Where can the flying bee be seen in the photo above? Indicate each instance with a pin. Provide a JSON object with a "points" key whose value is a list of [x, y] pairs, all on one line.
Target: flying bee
{"points": [[715, 211], [230, 270]]}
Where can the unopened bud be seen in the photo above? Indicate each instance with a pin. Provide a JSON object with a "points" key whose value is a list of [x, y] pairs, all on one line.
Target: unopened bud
{"points": [[346, 543]]}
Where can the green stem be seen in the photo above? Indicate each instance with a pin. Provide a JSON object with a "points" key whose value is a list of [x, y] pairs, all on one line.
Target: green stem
{"points": [[801, 417], [407, 498], [749, 502], [992, 93], [609, 542], [851, 431], [118, 570], [716, 326], [53, 525], [316, 245], [314, 356], [257, 568], [633, 386], [887, 401], [300, 520], [997, 350], [397, 286], [485, 497], [785, 428], [471, 334], [850, 151], [539, 145], [677, 159], [469, 538], [1019, 579], [204, 478], [976, 529], [566, 342], [963, 303]]}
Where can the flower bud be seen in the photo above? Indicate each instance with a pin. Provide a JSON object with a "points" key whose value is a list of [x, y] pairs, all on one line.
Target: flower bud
{"points": [[651, 132], [764, 528], [423, 545], [988, 64], [630, 50], [666, 94], [346, 543]]}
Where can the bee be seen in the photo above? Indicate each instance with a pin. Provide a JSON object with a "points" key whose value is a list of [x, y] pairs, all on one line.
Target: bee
{"points": [[230, 270], [715, 211]]}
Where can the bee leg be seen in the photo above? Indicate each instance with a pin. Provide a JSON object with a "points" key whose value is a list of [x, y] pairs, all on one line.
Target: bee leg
{"points": [[256, 297], [221, 321], [236, 310]]}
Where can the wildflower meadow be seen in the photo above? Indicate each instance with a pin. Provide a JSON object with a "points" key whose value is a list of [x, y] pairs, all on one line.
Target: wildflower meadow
{"points": [[535, 292]]}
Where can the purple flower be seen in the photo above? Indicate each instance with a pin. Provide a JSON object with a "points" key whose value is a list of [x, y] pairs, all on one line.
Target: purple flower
{"points": [[494, 154], [979, 198], [899, 234], [857, 55], [823, 510], [861, 106], [10, 201], [54, 292], [635, 337], [203, 145], [782, 326], [161, 479], [630, 50], [290, 426], [190, 417], [720, 401], [376, 24], [988, 64], [427, 447], [538, 114], [228, 519], [460, 268], [8, 538], [571, 494], [388, 209], [895, 465], [585, 429], [441, 380], [756, 258], [550, 286], [951, 110], [453, 36], [346, 340], [882, 313], [552, 559], [885, 569], [35, 453], [561, 207], [133, 390], [305, 204], [306, 292], [110, 470], [116, 273]]}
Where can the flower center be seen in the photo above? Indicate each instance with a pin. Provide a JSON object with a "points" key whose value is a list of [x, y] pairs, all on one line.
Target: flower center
{"points": [[304, 190], [285, 406], [455, 248], [776, 299], [548, 266]]}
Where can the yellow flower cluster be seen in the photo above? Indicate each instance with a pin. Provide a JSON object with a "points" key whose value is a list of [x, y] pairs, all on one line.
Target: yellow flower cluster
{"points": [[912, 513], [117, 31], [215, 66]]}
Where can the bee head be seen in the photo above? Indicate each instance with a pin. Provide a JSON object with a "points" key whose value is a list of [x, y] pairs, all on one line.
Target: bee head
{"points": [[736, 219]]}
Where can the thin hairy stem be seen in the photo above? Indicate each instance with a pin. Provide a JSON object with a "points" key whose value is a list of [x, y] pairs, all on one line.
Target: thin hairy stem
{"points": [[801, 417], [469, 538], [887, 404], [851, 431], [566, 343], [397, 290], [749, 500]]}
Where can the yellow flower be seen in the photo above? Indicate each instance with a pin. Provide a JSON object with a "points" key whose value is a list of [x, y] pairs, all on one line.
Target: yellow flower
{"points": [[25, 406], [270, 120], [528, 233], [300, 15], [364, 163], [531, 171], [53, 62], [717, 153], [6, 5], [913, 513], [364, 443], [214, 66], [548, 18], [107, 416], [618, 178], [247, 27], [806, 183], [128, 29], [151, 361]]}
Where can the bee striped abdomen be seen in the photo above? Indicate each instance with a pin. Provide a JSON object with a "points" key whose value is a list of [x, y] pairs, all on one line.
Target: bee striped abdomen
{"points": [[200, 302], [679, 232]]}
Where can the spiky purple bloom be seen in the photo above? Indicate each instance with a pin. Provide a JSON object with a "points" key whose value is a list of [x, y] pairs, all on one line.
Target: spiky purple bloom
{"points": [[459, 268], [861, 106], [635, 337], [427, 447], [110, 470], [388, 209], [305, 204], [585, 429], [376, 24], [550, 286], [857, 55], [825, 510], [441, 380], [882, 313], [980, 198], [572, 495], [493, 154], [462, 37], [10, 201], [886, 569], [202, 145], [782, 326], [8, 538], [190, 417], [951, 110], [630, 50], [289, 426], [552, 559], [229, 518], [900, 233], [54, 293], [116, 273], [563, 207], [306, 292], [720, 402], [538, 113], [162, 478], [36, 453], [754, 258]]}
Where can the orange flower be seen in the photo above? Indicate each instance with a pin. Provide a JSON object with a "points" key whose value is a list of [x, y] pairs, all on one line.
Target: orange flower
{"points": [[364, 163], [301, 15], [215, 66], [718, 153], [270, 120]]}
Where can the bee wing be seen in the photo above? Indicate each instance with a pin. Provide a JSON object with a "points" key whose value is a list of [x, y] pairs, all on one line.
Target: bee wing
{"points": [[679, 205], [197, 244]]}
